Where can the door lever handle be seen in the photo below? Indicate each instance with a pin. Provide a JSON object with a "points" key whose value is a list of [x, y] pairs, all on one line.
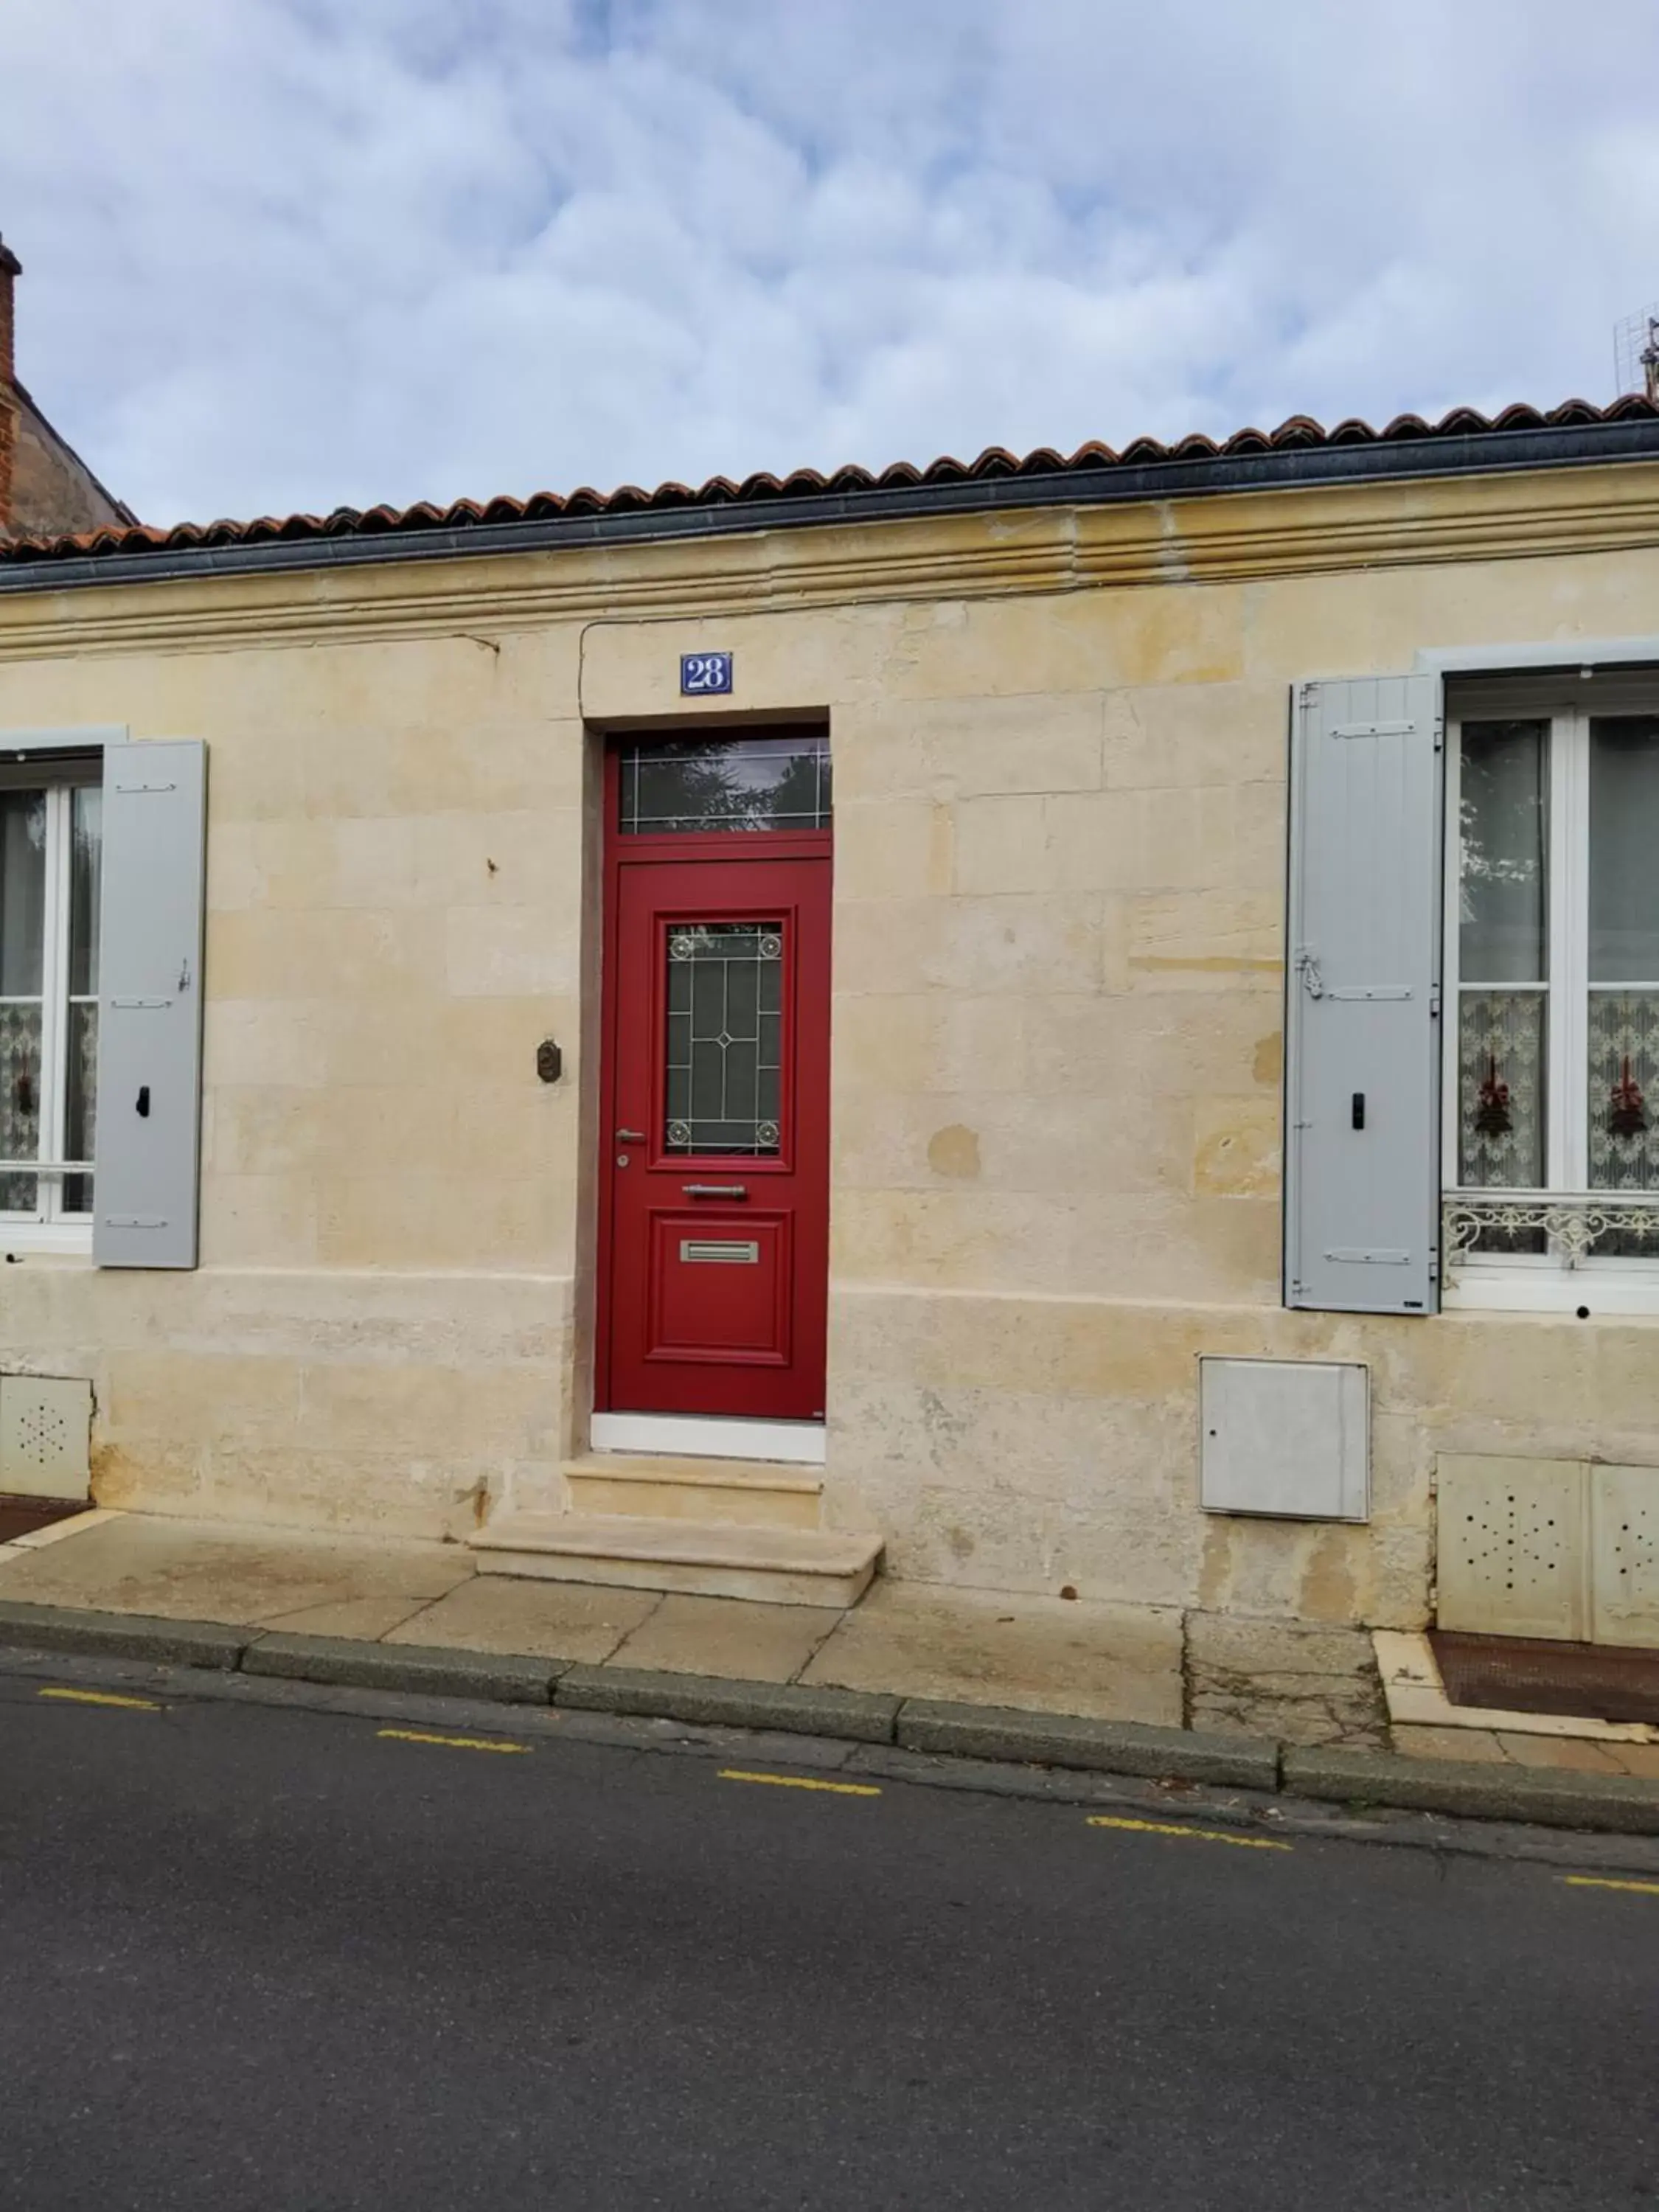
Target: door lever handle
{"points": [[630, 1136], [715, 1189]]}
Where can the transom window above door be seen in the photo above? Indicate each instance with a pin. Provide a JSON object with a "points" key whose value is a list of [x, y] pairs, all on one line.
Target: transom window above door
{"points": [[684, 787], [1552, 952]]}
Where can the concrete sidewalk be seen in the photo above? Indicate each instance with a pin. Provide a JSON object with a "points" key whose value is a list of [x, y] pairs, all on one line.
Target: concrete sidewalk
{"points": [[1310, 1688], [1044, 1655], [1211, 1699], [1307, 1687]]}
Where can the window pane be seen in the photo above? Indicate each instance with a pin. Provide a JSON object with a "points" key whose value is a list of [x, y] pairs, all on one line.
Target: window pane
{"points": [[724, 1087], [1503, 824], [22, 891], [1624, 1090], [81, 1096], [85, 871], [1624, 855], [1501, 1075], [728, 784], [20, 1104]]}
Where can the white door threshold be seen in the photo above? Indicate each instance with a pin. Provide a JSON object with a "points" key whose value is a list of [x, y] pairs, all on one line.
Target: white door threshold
{"points": [[698, 1436]]}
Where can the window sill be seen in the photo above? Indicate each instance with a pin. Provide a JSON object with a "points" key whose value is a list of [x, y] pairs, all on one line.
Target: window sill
{"points": [[66, 1240], [1595, 1291]]}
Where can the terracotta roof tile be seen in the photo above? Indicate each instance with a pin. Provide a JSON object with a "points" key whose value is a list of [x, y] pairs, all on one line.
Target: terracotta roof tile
{"points": [[996, 463]]}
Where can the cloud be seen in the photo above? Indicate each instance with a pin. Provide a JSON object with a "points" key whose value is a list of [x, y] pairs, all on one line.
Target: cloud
{"points": [[301, 253]]}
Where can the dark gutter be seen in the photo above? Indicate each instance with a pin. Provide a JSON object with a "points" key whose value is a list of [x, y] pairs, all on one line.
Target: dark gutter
{"points": [[1490, 453]]}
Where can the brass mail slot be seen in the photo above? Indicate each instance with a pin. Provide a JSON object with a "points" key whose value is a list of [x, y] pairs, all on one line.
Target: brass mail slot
{"points": [[725, 1252]]}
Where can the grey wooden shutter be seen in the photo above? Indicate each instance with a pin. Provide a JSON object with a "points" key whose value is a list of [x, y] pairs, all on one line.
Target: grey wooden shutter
{"points": [[1362, 1064], [149, 1006]]}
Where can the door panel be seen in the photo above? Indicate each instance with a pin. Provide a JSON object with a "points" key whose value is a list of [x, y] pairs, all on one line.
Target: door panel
{"points": [[713, 1276], [720, 1288]]}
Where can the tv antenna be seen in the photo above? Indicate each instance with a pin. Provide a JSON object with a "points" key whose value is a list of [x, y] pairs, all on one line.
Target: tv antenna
{"points": [[1636, 353]]}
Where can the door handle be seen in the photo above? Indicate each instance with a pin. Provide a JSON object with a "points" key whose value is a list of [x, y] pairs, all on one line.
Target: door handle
{"points": [[630, 1136], [715, 1189]]}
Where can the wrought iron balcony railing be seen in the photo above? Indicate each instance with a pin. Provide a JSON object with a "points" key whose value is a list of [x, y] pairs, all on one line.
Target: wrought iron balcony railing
{"points": [[1569, 1227]]}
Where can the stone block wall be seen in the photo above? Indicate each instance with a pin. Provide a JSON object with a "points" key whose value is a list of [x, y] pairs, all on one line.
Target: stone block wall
{"points": [[1056, 1022], [381, 1334]]}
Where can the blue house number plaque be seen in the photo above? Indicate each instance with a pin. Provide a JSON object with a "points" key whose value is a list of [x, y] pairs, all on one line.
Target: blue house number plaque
{"points": [[702, 674]]}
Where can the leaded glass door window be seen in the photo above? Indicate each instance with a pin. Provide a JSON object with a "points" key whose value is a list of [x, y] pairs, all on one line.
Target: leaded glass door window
{"points": [[1552, 961], [50, 850], [723, 1063]]}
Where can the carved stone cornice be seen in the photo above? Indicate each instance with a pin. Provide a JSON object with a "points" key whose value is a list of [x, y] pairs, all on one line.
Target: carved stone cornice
{"points": [[1237, 537]]}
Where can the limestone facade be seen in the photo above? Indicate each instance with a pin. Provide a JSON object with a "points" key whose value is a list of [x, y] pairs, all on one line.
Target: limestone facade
{"points": [[1059, 758]]}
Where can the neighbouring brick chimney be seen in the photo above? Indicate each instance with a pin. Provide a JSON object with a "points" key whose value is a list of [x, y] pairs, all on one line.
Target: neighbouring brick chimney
{"points": [[10, 270]]}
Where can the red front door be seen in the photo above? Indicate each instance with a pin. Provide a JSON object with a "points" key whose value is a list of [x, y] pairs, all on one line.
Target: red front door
{"points": [[714, 1258]]}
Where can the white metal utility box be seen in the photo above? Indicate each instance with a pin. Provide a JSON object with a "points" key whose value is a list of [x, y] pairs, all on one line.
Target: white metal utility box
{"points": [[1285, 1436]]}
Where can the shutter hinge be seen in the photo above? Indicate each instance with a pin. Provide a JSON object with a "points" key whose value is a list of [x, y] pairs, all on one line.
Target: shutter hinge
{"points": [[1307, 967], [1439, 733], [1434, 1002]]}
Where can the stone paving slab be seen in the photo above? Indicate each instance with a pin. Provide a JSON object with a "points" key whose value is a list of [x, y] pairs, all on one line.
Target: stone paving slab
{"points": [[370, 1618], [584, 1621], [1045, 1654], [207, 1571], [1507, 1747], [740, 1639], [1308, 1684]]}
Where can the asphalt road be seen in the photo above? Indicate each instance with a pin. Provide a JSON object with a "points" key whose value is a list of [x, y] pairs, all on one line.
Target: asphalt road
{"points": [[260, 1957]]}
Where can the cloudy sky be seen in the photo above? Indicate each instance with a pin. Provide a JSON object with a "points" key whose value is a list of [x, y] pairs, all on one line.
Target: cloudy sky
{"points": [[302, 253]]}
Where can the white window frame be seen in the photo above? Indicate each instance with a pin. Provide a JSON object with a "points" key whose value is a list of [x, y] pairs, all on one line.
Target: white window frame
{"points": [[1529, 1282], [55, 760]]}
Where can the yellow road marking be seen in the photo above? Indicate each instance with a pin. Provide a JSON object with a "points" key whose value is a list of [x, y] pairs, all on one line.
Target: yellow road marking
{"points": [[800, 1782], [1204, 1835], [1599, 1881], [103, 1697], [453, 1742]]}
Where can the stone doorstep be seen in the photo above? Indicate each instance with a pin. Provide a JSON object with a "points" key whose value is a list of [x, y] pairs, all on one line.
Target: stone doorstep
{"points": [[714, 1558], [775, 1493], [1417, 1699], [1616, 1803]]}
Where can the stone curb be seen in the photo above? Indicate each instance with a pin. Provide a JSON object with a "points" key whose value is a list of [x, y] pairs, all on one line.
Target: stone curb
{"points": [[122, 1635], [1617, 1803], [1103, 1746], [708, 1701], [1545, 1796], [506, 1678]]}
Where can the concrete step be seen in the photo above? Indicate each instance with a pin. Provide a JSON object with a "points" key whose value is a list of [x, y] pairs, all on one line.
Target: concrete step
{"points": [[765, 1492], [707, 1559]]}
